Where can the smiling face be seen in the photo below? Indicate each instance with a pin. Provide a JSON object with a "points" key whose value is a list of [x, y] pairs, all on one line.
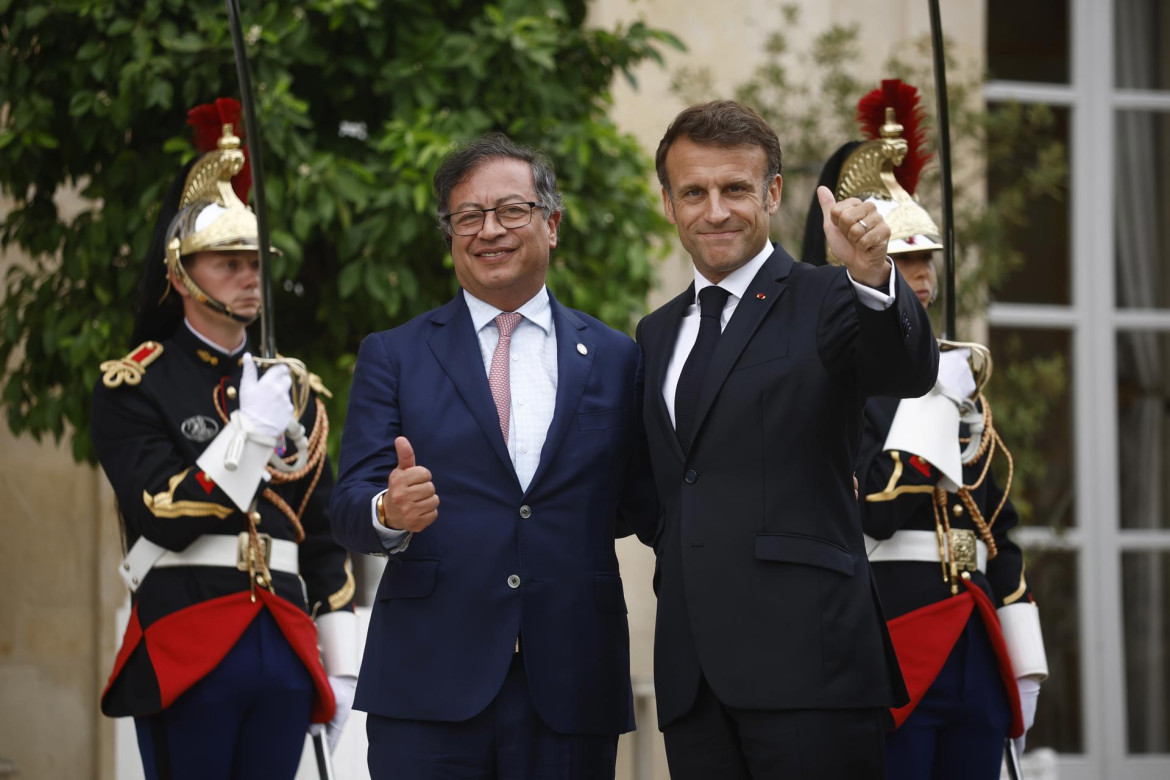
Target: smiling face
{"points": [[500, 266], [720, 204], [917, 268]]}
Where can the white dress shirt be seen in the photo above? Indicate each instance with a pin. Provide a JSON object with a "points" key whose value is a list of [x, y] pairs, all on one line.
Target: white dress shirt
{"points": [[532, 379], [736, 283]]}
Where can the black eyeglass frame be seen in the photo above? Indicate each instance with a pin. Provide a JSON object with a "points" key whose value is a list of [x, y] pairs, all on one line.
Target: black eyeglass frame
{"points": [[531, 204]]}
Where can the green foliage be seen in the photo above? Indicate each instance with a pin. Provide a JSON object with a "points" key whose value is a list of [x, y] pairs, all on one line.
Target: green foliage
{"points": [[809, 93], [95, 94]]}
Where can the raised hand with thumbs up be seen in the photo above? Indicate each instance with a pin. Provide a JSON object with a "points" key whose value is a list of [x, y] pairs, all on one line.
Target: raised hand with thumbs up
{"points": [[858, 236], [410, 502]]}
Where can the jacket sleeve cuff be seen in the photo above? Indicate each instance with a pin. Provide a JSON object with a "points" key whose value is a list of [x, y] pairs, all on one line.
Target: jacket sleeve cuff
{"points": [[871, 297], [337, 635], [1020, 623], [237, 459], [393, 541]]}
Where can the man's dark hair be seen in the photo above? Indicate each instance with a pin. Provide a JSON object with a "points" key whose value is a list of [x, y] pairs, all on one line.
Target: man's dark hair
{"points": [[462, 161], [723, 123]]}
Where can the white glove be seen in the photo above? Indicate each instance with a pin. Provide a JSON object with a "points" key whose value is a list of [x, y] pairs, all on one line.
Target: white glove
{"points": [[266, 403], [954, 371], [1029, 693], [343, 691]]}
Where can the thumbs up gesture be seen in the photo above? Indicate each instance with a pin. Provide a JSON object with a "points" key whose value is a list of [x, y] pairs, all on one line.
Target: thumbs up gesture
{"points": [[857, 236], [410, 502]]}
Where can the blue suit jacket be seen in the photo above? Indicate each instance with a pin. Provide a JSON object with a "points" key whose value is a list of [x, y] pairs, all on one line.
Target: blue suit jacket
{"points": [[444, 626]]}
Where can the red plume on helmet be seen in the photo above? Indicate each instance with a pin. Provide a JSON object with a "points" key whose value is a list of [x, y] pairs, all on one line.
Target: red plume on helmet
{"points": [[208, 121], [903, 98]]}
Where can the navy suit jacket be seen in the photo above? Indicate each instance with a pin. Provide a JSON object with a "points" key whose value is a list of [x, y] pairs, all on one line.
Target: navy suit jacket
{"points": [[448, 609], [763, 583]]}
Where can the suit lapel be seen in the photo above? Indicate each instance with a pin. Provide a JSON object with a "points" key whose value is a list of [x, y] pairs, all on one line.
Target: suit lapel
{"points": [[456, 346], [573, 370], [766, 288], [658, 348]]}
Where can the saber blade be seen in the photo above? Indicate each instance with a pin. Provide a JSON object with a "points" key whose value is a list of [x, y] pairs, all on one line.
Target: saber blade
{"points": [[944, 164], [267, 331]]}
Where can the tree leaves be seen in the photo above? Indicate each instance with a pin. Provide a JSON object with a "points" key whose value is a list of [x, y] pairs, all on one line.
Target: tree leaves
{"points": [[357, 100]]}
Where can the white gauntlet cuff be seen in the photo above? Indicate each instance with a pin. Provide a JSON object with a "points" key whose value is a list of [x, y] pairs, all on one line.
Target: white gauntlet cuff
{"points": [[237, 459], [1020, 623], [337, 635]]}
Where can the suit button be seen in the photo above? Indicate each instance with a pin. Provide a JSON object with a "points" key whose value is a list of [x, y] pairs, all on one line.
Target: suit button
{"points": [[691, 476], [525, 512], [957, 510], [513, 581]]}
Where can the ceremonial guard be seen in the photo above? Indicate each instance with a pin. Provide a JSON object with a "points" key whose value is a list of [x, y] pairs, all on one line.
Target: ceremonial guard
{"points": [[952, 584], [242, 630]]}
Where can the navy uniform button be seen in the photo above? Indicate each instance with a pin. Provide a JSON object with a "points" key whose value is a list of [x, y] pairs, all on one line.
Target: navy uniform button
{"points": [[526, 511], [957, 510], [513, 581], [691, 476]]}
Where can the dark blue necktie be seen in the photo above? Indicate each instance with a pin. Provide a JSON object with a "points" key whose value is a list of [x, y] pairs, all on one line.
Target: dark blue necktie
{"points": [[690, 381]]}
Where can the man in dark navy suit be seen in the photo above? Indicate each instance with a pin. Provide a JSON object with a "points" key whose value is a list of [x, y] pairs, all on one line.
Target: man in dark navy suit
{"points": [[489, 450], [771, 657]]}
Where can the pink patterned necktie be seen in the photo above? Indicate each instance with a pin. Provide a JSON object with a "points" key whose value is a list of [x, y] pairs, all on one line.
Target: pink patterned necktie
{"points": [[498, 376]]}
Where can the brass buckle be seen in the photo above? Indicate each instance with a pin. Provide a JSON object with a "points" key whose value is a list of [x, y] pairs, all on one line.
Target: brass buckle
{"points": [[242, 550], [964, 549]]}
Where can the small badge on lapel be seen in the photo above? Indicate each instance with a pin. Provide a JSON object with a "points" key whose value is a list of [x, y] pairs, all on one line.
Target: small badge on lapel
{"points": [[761, 296], [582, 349]]}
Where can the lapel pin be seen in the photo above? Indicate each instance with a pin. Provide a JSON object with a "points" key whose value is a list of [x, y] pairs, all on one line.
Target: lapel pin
{"points": [[761, 296], [582, 349]]}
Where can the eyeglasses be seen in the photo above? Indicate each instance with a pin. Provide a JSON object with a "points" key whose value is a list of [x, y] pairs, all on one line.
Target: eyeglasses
{"points": [[470, 222]]}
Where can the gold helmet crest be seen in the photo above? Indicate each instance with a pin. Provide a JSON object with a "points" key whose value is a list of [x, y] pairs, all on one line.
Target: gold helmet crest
{"points": [[212, 217], [884, 169]]}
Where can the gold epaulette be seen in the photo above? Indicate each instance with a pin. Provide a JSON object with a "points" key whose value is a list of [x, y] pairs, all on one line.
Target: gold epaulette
{"points": [[129, 370]]}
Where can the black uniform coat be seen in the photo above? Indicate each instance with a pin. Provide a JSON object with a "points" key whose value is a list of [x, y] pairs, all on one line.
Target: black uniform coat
{"points": [[762, 579], [897, 494], [148, 437]]}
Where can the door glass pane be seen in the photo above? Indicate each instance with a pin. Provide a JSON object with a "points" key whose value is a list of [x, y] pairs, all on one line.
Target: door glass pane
{"points": [[1032, 410], [1143, 428], [1028, 41], [1051, 574], [1142, 31], [1142, 210], [1039, 232], [1146, 596]]}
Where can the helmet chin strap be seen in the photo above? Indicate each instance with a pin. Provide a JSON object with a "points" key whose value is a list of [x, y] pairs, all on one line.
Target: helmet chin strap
{"points": [[176, 267]]}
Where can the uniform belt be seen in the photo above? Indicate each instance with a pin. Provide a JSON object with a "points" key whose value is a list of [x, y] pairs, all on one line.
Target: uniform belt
{"points": [[207, 550], [970, 552]]}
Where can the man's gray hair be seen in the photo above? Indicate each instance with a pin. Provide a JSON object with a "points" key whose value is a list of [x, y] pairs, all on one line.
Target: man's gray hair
{"points": [[460, 162]]}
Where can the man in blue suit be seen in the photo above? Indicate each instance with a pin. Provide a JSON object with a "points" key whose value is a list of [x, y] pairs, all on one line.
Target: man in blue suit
{"points": [[492, 449]]}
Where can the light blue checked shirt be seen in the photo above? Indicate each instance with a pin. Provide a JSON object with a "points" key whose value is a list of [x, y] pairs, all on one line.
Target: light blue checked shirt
{"points": [[532, 378], [532, 375]]}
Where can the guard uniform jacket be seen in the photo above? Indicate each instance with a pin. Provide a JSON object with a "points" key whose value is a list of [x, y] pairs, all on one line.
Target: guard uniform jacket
{"points": [[897, 492], [148, 435]]}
